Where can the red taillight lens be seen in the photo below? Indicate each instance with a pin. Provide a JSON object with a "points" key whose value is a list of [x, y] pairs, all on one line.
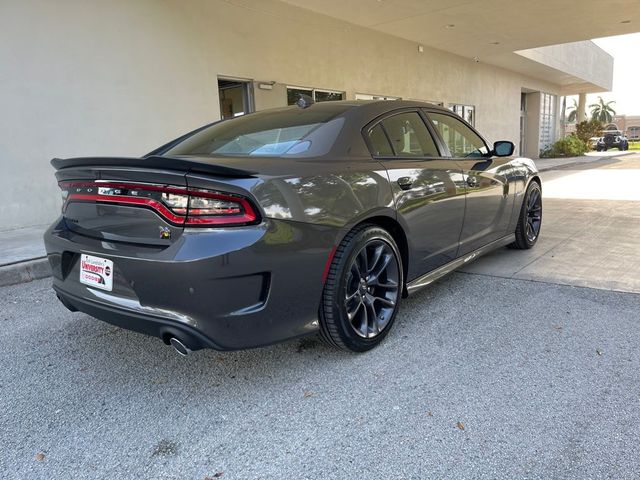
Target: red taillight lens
{"points": [[178, 205]]}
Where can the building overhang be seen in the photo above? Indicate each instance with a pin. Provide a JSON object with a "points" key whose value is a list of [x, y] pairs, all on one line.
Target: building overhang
{"points": [[524, 37]]}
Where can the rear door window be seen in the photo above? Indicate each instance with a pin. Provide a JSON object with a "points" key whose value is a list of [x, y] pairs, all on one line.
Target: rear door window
{"points": [[409, 136]]}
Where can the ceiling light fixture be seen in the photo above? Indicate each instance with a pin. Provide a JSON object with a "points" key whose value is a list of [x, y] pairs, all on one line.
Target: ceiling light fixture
{"points": [[450, 26], [494, 43], [626, 21]]}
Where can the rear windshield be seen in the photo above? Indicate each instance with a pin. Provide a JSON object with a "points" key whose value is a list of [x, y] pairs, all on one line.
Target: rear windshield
{"points": [[286, 132]]}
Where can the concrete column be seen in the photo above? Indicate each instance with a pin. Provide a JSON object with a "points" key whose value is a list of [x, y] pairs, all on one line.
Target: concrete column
{"points": [[532, 126], [582, 105]]}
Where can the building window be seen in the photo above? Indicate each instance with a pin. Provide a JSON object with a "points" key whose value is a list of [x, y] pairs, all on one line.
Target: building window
{"points": [[366, 96], [634, 133], [293, 94], [547, 120], [467, 112]]}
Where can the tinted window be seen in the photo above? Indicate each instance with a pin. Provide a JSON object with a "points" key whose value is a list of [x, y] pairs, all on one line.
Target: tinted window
{"points": [[461, 140], [322, 96], [409, 136], [291, 131], [379, 142], [293, 94]]}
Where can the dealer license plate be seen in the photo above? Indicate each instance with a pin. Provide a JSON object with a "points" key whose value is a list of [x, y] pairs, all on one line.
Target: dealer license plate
{"points": [[96, 272]]}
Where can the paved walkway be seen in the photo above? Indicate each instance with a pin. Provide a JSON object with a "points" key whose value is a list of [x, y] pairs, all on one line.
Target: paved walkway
{"points": [[551, 163], [590, 230], [21, 245]]}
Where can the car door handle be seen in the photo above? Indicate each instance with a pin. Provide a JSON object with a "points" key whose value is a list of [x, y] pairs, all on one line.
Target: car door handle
{"points": [[472, 181], [405, 183]]}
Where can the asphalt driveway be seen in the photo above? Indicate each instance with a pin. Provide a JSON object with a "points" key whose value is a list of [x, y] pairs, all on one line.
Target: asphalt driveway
{"points": [[515, 368]]}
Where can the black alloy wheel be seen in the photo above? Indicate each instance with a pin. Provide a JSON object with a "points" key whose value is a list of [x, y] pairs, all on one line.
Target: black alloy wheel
{"points": [[362, 291], [530, 221], [372, 289]]}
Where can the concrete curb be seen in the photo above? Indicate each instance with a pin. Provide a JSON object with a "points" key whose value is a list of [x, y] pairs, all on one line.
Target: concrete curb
{"points": [[23, 272]]}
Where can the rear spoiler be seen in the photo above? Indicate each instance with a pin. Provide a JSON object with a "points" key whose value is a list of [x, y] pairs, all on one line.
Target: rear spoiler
{"points": [[187, 165]]}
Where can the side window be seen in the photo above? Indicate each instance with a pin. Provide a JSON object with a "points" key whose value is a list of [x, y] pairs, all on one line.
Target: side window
{"points": [[409, 136], [379, 143], [461, 140]]}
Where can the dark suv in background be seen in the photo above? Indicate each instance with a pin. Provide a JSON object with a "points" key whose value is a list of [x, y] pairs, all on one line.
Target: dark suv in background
{"points": [[612, 139]]}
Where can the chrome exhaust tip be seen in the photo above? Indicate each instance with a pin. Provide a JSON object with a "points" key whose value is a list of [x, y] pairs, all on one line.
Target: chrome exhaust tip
{"points": [[179, 347]]}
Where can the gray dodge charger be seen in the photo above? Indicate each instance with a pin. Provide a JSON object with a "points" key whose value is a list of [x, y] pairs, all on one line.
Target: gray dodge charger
{"points": [[286, 222]]}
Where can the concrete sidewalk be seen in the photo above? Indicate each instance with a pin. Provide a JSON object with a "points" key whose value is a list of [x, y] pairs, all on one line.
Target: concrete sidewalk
{"points": [[22, 255], [23, 259], [544, 164]]}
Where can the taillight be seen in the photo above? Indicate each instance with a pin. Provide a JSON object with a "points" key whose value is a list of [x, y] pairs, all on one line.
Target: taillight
{"points": [[178, 205], [217, 208]]}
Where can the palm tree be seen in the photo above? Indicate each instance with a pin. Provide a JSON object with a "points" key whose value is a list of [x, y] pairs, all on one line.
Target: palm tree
{"points": [[602, 112], [573, 112]]}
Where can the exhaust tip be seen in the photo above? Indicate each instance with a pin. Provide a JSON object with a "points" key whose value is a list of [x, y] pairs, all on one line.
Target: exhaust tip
{"points": [[179, 347]]}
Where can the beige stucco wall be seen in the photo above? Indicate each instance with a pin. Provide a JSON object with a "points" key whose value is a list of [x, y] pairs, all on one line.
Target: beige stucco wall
{"points": [[120, 77]]}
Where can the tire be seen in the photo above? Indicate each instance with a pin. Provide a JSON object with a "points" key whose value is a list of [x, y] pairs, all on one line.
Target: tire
{"points": [[352, 297], [530, 219]]}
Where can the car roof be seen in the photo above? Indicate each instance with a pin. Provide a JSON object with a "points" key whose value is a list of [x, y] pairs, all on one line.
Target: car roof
{"points": [[363, 111], [366, 105]]}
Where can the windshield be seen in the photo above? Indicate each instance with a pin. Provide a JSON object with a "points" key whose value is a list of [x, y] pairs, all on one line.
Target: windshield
{"points": [[290, 131]]}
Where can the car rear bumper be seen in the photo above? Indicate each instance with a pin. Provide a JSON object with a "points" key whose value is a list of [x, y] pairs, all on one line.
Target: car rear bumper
{"points": [[152, 325], [228, 288]]}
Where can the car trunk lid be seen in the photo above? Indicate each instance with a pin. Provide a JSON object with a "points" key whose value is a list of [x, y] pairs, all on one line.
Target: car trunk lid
{"points": [[146, 200]]}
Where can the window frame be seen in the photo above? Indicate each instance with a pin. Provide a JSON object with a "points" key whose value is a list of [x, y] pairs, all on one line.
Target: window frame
{"points": [[453, 106], [313, 91], [380, 97], [455, 116], [378, 121]]}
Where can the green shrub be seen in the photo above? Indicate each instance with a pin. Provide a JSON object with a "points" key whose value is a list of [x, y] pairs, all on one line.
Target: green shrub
{"points": [[588, 129], [570, 146]]}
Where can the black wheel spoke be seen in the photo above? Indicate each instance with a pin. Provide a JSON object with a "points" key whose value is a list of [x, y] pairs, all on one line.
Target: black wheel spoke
{"points": [[352, 312], [351, 296], [377, 253], [364, 325], [355, 270], [373, 319], [533, 215], [384, 301], [372, 288], [364, 268], [387, 285]]}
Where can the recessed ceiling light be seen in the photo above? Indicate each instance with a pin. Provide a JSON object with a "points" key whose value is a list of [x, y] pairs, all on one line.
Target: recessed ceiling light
{"points": [[451, 25], [626, 21], [494, 43]]}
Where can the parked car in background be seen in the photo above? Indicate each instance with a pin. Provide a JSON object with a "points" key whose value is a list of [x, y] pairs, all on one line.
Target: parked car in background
{"points": [[612, 139], [593, 143], [286, 222]]}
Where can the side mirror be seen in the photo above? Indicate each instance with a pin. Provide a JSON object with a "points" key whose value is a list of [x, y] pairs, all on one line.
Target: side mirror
{"points": [[503, 148]]}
